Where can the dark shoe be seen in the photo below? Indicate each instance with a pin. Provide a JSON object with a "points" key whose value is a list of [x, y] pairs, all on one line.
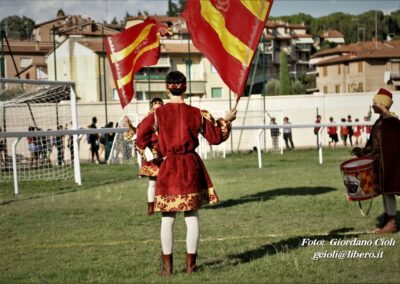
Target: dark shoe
{"points": [[390, 226], [167, 263], [191, 262], [383, 223], [150, 208]]}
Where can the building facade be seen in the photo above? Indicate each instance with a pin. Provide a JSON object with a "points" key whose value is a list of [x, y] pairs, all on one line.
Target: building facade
{"points": [[360, 67]]}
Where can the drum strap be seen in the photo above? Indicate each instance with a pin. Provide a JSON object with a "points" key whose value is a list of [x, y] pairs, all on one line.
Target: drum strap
{"points": [[361, 207]]}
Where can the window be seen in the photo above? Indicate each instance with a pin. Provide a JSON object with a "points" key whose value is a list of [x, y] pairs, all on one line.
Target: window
{"points": [[360, 67], [360, 87], [27, 76], [337, 89], [115, 95], [339, 71], [325, 89], [325, 71], [216, 93], [141, 96], [65, 68], [25, 62]]}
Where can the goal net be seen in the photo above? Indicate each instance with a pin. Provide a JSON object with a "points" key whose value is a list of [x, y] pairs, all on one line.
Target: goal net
{"points": [[29, 107], [123, 150]]}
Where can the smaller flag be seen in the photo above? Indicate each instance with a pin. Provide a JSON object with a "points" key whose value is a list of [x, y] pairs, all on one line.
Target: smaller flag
{"points": [[131, 50]]}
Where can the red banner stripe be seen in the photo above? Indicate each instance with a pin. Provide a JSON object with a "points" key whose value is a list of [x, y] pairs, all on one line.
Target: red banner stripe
{"points": [[241, 24], [249, 25], [232, 72]]}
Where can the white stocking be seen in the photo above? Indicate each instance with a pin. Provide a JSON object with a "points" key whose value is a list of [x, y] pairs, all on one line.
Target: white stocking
{"points": [[192, 231], [167, 232], [389, 202], [151, 190]]}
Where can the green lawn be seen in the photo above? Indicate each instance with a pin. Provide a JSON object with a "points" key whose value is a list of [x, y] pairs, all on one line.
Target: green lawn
{"points": [[99, 232]]}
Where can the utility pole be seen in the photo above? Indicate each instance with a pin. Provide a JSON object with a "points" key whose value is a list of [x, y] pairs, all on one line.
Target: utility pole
{"points": [[376, 29], [2, 69]]}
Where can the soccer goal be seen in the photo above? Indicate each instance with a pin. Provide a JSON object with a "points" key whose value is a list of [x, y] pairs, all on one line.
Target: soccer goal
{"points": [[34, 144]]}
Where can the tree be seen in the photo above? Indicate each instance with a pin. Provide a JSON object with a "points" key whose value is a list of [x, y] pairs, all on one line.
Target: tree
{"points": [[60, 13], [114, 21], [173, 9], [16, 27], [272, 87], [284, 77], [127, 15], [298, 88]]}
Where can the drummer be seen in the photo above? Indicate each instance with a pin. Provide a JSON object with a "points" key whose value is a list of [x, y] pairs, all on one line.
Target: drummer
{"points": [[383, 145]]}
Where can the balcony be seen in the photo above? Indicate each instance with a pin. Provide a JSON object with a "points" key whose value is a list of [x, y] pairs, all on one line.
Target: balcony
{"points": [[196, 87], [304, 47], [142, 77]]}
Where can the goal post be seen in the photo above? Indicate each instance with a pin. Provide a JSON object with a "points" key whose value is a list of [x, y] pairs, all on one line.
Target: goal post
{"points": [[33, 116]]}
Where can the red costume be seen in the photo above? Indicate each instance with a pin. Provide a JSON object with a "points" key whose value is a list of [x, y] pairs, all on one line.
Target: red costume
{"points": [[183, 183], [384, 145], [150, 169]]}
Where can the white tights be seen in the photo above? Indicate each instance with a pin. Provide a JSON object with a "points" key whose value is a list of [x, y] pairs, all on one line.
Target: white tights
{"points": [[389, 204], [151, 189], [192, 231]]}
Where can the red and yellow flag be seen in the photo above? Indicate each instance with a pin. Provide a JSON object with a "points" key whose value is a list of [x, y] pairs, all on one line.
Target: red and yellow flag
{"points": [[227, 32], [131, 50]]}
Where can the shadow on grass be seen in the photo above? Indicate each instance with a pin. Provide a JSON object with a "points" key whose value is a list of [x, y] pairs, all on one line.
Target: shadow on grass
{"points": [[269, 194], [285, 246], [69, 188]]}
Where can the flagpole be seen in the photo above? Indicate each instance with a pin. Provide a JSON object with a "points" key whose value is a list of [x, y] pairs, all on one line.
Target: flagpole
{"points": [[189, 67], [263, 92], [230, 107], [248, 101], [104, 75], [148, 81]]}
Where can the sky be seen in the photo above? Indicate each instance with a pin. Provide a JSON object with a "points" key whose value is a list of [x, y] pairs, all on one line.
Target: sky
{"points": [[43, 10]]}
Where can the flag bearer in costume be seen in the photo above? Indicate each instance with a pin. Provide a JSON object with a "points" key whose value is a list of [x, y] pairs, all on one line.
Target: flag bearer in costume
{"points": [[383, 145], [183, 184], [148, 168]]}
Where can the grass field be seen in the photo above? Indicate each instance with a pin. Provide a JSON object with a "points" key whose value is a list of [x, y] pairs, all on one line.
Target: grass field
{"points": [[99, 232]]}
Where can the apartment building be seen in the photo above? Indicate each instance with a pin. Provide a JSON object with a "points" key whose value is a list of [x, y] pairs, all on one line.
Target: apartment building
{"points": [[359, 67], [292, 39], [26, 59]]}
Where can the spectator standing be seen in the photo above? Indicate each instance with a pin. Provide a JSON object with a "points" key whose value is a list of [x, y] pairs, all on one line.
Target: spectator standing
{"points": [[109, 139], [94, 141], [275, 136], [344, 132], [332, 132], [287, 134], [357, 132], [60, 147], [2, 150], [367, 128], [350, 131], [316, 129]]}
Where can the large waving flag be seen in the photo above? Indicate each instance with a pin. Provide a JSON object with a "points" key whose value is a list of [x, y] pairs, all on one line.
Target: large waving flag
{"points": [[131, 50], [227, 32]]}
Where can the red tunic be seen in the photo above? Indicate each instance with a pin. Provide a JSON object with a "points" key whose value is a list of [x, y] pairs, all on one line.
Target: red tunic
{"points": [[183, 183], [383, 144]]}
